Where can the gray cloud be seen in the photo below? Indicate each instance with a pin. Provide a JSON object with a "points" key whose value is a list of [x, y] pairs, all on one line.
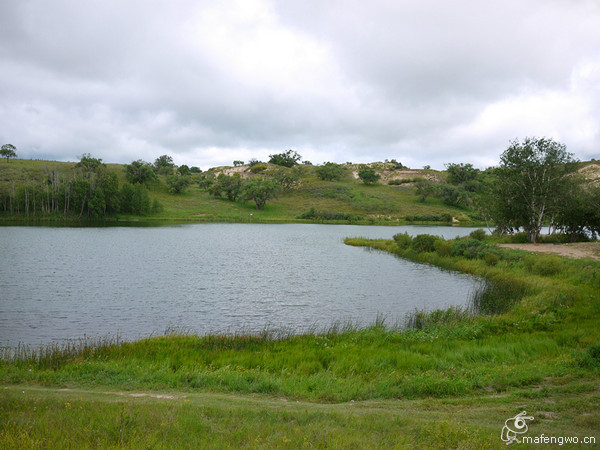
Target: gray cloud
{"points": [[424, 82]]}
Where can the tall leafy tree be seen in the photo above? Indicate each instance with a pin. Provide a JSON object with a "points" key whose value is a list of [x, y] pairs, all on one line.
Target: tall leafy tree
{"points": [[89, 163], [139, 172], [8, 151], [260, 190], [164, 164], [286, 159], [528, 185]]}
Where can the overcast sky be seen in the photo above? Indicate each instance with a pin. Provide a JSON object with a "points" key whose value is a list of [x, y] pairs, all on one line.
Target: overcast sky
{"points": [[426, 82]]}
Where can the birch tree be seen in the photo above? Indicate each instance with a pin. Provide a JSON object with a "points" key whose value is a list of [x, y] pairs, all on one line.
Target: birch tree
{"points": [[530, 179]]}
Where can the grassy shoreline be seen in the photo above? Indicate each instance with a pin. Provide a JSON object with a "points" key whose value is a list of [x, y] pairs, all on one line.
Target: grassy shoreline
{"points": [[451, 381]]}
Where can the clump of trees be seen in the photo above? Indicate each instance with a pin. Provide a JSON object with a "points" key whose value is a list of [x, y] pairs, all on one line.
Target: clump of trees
{"points": [[233, 187], [90, 190], [330, 171], [140, 171], [536, 184]]}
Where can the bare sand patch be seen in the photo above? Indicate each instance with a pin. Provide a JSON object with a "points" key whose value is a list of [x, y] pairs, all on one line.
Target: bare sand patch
{"points": [[577, 250]]}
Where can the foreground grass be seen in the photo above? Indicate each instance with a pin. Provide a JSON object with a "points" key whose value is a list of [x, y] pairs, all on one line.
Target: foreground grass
{"points": [[33, 417], [451, 381]]}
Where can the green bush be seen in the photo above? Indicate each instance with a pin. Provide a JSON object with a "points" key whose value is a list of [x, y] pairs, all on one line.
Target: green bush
{"points": [[478, 234], [430, 218], [258, 168], [542, 265], [469, 248], [329, 215], [424, 243], [403, 240], [443, 247], [491, 259], [547, 266]]}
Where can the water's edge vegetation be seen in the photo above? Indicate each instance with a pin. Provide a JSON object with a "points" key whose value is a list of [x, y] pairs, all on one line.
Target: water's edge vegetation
{"points": [[534, 341]]}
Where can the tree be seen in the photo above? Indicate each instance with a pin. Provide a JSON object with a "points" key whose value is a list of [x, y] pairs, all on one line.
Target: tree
{"points": [[89, 163], [286, 159], [529, 181], [177, 183], [425, 188], [184, 170], [226, 185], [164, 165], [368, 175], [139, 172], [260, 190], [461, 173], [287, 178], [330, 171], [238, 163], [8, 151]]}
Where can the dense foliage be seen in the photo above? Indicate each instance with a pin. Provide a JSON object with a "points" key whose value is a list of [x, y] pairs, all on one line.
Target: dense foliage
{"points": [[330, 171], [286, 159], [528, 186]]}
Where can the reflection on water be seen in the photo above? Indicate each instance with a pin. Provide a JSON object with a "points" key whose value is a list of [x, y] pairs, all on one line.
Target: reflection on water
{"points": [[59, 283]]}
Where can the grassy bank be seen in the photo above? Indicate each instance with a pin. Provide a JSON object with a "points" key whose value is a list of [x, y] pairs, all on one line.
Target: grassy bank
{"points": [[532, 344], [344, 201]]}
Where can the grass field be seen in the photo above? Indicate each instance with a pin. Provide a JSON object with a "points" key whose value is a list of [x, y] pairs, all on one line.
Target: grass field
{"points": [[451, 381]]}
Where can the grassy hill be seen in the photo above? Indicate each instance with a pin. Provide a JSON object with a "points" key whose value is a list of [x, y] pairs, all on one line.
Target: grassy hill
{"points": [[380, 203]]}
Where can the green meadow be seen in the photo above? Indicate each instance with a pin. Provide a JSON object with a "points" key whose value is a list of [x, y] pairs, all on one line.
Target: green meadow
{"points": [[444, 379]]}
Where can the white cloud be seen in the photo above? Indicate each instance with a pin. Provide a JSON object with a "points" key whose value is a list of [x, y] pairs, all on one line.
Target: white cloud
{"points": [[209, 82]]}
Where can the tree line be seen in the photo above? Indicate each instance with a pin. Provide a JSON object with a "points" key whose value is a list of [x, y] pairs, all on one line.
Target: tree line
{"points": [[90, 190]]}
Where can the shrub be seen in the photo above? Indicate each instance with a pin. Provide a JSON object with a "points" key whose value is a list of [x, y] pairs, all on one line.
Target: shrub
{"points": [[258, 168], [424, 243], [330, 171], [547, 266], [478, 234], [491, 259], [329, 215], [399, 181], [444, 248], [430, 218], [368, 175], [469, 248], [403, 240]]}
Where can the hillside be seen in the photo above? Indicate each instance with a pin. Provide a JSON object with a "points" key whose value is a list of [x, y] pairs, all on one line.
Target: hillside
{"points": [[345, 200]]}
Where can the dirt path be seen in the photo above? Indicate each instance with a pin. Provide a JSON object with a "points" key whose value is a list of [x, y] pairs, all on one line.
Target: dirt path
{"points": [[577, 250]]}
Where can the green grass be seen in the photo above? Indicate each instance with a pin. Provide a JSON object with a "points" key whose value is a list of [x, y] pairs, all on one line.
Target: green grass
{"points": [[377, 204], [450, 381]]}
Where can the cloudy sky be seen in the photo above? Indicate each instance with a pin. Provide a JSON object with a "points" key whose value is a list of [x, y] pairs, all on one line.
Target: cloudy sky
{"points": [[426, 82]]}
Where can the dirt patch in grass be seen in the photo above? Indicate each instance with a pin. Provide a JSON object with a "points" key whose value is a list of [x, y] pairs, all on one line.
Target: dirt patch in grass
{"points": [[577, 250]]}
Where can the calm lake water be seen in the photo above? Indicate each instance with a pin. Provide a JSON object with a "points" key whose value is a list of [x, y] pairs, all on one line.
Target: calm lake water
{"points": [[62, 283]]}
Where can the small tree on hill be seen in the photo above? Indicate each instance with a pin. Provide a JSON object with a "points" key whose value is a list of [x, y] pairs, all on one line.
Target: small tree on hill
{"points": [[330, 171], [260, 190], [164, 164], [368, 175], [139, 172], [286, 159], [89, 163], [8, 151]]}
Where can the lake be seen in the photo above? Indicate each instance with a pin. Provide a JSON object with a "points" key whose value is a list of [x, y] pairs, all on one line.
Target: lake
{"points": [[59, 283]]}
